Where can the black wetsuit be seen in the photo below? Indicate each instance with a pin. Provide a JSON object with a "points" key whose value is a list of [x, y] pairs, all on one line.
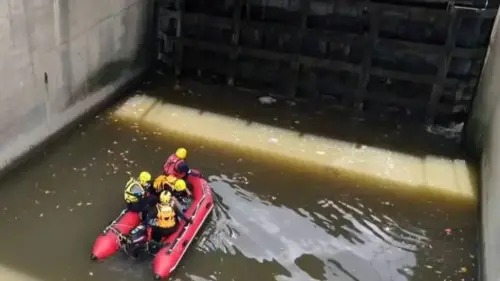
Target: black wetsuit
{"points": [[183, 198], [139, 207]]}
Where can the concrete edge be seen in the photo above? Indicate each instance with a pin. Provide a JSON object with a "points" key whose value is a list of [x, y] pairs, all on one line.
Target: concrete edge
{"points": [[22, 147]]}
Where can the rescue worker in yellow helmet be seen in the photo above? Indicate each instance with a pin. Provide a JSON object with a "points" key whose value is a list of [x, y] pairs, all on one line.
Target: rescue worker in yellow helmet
{"points": [[145, 180], [176, 164], [179, 188], [135, 193], [160, 184], [164, 217]]}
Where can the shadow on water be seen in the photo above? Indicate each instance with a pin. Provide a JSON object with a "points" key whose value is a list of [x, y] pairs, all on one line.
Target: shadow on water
{"points": [[388, 133], [270, 223]]}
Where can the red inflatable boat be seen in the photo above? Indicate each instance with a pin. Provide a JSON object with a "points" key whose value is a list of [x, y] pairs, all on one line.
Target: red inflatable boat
{"points": [[110, 241], [173, 247]]}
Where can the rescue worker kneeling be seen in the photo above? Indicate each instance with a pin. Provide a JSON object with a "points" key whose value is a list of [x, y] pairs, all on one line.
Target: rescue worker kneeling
{"points": [[159, 185], [178, 188], [135, 193], [166, 212], [176, 164]]}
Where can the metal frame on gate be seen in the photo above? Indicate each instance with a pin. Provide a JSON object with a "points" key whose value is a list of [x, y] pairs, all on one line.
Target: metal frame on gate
{"points": [[358, 95]]}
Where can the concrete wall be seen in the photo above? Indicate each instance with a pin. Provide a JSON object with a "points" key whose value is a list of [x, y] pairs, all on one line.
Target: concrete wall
{"points": [[484, 135], [59, 58]]}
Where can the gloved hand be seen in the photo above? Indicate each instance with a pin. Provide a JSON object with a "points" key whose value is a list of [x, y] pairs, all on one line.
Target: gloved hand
{"points": [[194, 174]]}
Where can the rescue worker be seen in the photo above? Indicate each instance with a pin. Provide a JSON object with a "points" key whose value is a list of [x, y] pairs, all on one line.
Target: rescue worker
{"points": [[145, 180], [165, 214], [176, 164], [159, 185], [179, 188], [135, 193]]}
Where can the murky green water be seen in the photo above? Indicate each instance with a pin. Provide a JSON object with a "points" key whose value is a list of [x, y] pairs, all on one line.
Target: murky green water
{"points": [[270, 222]]}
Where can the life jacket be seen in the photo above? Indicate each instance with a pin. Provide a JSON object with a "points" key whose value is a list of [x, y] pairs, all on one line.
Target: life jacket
{"points": [[169, 184], [170, 181], [165, 216], [170, 167], [160, 184], [133, 191]]}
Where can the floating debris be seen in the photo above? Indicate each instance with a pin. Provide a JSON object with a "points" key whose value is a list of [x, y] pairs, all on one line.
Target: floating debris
{"points": [[267, 100], [273, 140]]}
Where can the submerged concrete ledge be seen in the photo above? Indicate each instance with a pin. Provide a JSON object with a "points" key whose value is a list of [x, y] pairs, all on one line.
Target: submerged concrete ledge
{"points": [[8, 274], [426, 173]]}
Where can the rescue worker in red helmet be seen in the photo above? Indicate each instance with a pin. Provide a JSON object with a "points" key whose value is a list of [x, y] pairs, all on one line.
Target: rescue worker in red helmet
{"points": [[176, 164], [163, 219]]}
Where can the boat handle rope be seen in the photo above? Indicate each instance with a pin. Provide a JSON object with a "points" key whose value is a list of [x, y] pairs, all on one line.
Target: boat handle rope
{"points": [[111, 228]]}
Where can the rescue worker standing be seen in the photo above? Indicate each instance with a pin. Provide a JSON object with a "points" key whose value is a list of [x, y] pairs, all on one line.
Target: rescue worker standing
{"points": [[166, 222], [135, 193], [176, 164]]}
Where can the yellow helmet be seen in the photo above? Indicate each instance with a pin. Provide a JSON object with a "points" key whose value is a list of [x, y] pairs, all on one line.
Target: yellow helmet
{"points": [[165, 197], [180, 185], [144, 177], [181, 153]]}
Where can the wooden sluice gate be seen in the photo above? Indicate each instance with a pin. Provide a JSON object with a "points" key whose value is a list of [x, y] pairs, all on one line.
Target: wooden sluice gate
{"points": [[419, 60]]}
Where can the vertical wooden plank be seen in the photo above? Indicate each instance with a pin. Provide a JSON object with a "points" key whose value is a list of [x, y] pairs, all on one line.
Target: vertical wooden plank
{"points": [[370, 39], [233, 55], [438, 87], [157, 31], [179, 45], [291, 90]]}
